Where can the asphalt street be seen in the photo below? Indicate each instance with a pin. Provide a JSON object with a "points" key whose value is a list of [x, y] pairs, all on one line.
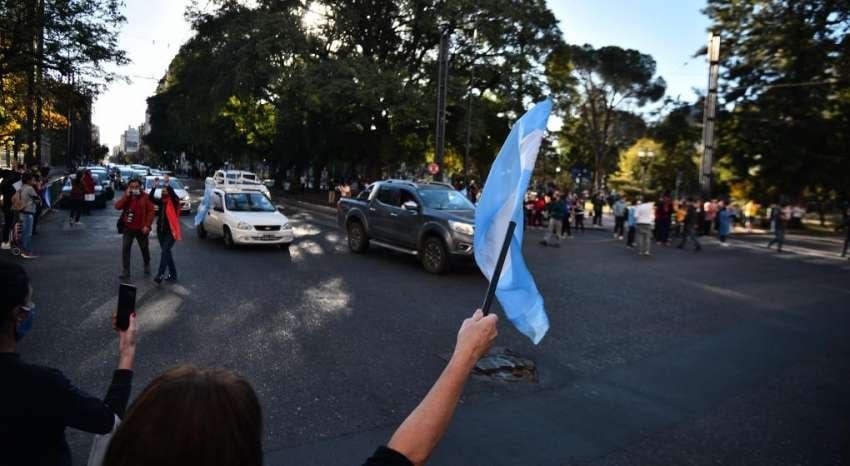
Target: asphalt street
{"points": [[734, 355]]}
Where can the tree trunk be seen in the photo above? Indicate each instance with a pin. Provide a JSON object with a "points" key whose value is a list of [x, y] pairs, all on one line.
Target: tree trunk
{"points": [[39, 97], [30, 116]]}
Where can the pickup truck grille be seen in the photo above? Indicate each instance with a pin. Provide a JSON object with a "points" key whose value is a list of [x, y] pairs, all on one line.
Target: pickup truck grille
{"points": [[267, 227]]}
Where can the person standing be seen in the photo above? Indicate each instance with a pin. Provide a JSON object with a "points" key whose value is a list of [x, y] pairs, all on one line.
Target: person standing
{"points": [[76, 199], [710, 208], [681, 212], [556, 211], [750, 212], [167, 229], [7, 189], [619, 209], [663, 218], [29, 206], [137, 214], [578, 211], [780, 223], [689, 225], [598, 206], [89, 196], [644, 218], [38, 403], [631, 222], [565, 225], [724, 223]]}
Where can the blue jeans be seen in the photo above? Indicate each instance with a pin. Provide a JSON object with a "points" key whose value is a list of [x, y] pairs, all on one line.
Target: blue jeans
{"points": [[26, 231], [166, 242]]}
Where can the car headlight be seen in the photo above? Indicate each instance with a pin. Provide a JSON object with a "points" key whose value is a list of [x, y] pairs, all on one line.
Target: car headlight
{"points": [[286, 226], [462, 228], [244, 226]]}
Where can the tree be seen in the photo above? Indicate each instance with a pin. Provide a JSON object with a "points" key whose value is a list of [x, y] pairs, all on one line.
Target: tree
{"points": [[607, 80], [784, 84]]}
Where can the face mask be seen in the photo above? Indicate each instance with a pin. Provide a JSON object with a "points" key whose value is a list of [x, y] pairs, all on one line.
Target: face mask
{"points": [[135, 192], [24, 327]]}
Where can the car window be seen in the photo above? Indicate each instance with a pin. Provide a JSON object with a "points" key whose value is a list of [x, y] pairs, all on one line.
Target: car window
{"points": [[445, 199], [364, 195], [216, 201], [406, 196], [248, 202], [388, 195]]}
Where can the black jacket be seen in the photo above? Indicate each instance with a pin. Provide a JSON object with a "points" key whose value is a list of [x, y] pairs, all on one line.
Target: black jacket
{"points": [[37, 403]]}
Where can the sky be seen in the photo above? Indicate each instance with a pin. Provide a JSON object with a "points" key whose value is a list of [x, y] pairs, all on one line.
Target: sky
{"points": [[669, 30]]}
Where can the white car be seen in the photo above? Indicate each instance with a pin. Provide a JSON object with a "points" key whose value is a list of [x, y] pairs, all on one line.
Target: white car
{"points": [[240, 178], [245, 217], [179, 189]]}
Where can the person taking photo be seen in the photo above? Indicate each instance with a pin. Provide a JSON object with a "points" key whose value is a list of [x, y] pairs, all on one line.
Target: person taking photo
{"points": [[137, 214]]}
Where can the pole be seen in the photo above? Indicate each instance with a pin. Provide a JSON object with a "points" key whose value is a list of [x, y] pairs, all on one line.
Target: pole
{"points": [[709, 117], [442, 81], [494, 282]]}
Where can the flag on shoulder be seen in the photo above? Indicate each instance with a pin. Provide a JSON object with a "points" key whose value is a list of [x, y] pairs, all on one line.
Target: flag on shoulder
{"points": [[502, 202]]}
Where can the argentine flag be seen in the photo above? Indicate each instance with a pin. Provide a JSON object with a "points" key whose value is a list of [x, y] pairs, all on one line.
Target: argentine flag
{"points": [[502, 201]]}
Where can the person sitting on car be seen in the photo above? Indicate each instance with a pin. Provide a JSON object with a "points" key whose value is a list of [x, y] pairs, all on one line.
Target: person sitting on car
{"points": [[220, 419]]}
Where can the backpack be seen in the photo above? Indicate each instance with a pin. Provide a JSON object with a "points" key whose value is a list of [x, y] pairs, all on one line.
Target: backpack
{"points": [[18, 200]]}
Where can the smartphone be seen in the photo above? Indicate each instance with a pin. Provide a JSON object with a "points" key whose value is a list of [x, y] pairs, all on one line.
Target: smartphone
{"points": [[126, 305]]}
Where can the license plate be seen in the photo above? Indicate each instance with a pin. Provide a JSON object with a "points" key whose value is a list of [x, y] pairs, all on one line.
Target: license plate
{"points": [[268, 237]]}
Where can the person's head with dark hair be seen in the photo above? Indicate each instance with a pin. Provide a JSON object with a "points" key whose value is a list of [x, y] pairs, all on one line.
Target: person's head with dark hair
{"points": [[15, 306], [189, 415], [26, 178]]}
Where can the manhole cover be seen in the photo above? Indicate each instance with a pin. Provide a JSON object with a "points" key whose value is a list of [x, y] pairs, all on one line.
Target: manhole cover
{"points": [[502, 364]]}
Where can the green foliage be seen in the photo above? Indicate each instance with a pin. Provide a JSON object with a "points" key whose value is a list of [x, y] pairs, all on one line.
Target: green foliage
{"points": [[787, 107]]}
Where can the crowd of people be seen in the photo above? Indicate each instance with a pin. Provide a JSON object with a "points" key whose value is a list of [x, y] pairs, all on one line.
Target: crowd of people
{"points": [[186, 415], [24, 197]]}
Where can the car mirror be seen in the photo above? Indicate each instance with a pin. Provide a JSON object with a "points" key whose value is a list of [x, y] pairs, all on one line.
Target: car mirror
{"points": [[410, 205]]}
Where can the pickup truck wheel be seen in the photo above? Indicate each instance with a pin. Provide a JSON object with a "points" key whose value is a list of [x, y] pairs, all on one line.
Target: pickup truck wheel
{"points": [[202, 232], [228, 238], [357, 240], [435, 257]]}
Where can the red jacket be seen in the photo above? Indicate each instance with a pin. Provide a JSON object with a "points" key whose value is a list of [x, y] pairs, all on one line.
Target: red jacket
{"points": [[145, 205], [88, 182]]}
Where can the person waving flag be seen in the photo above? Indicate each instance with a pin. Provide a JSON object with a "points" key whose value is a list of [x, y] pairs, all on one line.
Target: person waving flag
{"points": [[501, 203]]}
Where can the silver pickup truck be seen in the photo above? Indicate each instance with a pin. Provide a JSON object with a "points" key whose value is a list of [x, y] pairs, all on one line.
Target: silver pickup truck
{"points": [[429, 220]]}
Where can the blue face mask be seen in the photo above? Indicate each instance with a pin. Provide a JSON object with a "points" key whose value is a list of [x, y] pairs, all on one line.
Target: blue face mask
{"points": [[24, 327]]}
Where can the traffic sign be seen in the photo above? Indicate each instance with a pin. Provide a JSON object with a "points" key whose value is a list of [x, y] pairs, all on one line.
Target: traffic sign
{"points": [[433, 168]]}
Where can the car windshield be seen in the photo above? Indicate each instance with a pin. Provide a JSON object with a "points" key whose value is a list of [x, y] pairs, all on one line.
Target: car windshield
{"points": [[127, 172], [445, 199], [248, 202], [176, 184]]}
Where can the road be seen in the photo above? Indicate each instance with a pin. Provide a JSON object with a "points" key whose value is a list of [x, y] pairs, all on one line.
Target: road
{"points": [[734, 356]]}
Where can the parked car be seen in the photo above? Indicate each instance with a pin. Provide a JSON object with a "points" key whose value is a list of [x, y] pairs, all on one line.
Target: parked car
{"points": [[99, 196], [125, 174], [245, 217], [429, 220], [179, 189], [105, 180]]}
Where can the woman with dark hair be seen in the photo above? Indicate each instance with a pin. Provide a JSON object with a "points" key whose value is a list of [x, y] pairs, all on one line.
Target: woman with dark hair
{"points": [[212, 417], [167, 229], [37, 403]]}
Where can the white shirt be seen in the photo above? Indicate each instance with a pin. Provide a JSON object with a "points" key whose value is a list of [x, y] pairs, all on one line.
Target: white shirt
{"points": [[645, 213]]}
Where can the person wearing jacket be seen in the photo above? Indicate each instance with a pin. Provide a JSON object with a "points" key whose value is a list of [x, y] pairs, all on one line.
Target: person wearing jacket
{"points": [[556, 210], [724, 223], [137, 213], [619, 209], [88, 185], [167, 229], [7, 189], [37, 403], [78, 191], [644, 218], [31, 201], [689, 225]]}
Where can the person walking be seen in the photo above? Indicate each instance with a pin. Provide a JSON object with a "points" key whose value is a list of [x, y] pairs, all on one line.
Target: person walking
{"points": [[724, 223], [556, 210], [689, 225], [663, 219], [78, 191], [780, 223], [598, 207], [137, 214], [644, 219], [631, 223], [10, 178], [578, 212], [167, 229], [28, 203], [565, 225], [89, 196], [619, 209]]}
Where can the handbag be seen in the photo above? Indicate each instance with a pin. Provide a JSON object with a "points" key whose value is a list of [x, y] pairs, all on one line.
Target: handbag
{"points": [[119, 225]]}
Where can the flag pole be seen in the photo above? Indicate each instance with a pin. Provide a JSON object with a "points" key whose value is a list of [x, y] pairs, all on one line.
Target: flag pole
{"points": [[494, 282]]}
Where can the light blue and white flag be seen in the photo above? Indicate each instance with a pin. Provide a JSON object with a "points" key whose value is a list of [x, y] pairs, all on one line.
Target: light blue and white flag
{"points": [[204, 206], [47, 200], [502, 201]]}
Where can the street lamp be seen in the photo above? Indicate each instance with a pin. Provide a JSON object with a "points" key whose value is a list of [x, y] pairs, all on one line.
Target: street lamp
{"points": [[645, 156]]}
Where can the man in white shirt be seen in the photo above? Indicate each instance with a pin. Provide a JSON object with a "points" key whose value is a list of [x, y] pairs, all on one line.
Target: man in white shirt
{"points": [[644, 219]]}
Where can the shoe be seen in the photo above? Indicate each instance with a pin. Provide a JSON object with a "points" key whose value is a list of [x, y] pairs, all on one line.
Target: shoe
{"points": [[157, 279], [6, 245], [29, 255], [147, 269]]}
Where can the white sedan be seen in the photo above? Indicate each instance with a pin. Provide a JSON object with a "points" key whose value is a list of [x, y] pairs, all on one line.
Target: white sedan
{"points": [[179, 190], [245, 217]]}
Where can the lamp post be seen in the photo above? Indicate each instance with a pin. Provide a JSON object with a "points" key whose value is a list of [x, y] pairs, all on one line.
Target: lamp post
{"points": [[645, 156]]}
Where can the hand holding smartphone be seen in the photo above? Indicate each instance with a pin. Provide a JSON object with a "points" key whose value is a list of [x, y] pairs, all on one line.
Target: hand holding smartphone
{"points": [[126, 305]]}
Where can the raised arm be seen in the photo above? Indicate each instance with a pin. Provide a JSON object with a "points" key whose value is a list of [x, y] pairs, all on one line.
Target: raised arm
{"points": [[424, 427]]}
